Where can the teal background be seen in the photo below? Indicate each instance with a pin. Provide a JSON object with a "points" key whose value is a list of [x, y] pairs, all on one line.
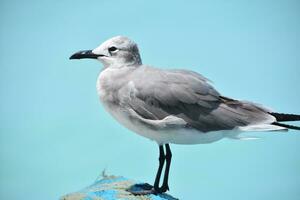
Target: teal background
{"points": [[56, 138]]}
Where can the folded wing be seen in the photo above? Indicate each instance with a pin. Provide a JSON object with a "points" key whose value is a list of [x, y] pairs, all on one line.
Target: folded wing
{"points": [[189, 96]]}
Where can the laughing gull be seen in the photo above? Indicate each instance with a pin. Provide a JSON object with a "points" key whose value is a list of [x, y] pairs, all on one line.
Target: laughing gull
{"points": [[172, 106]]}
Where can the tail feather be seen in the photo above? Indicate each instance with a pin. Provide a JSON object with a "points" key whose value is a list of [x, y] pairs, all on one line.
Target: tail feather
{"points": [[281, 117], [286, 126]]}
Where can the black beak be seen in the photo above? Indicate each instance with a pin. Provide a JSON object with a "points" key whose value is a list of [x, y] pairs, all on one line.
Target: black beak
{"points": [[84, 54]]}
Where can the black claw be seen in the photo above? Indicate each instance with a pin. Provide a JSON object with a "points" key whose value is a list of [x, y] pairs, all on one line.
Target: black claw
{"points": [[141, 189]]}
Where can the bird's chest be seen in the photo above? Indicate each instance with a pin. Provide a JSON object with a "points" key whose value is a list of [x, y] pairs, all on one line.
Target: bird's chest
{"points": [[115, 91], [110, 83]]}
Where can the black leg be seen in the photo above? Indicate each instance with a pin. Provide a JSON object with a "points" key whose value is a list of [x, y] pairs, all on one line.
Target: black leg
{"points": [[162, 158], [165, 185], [143, 189]]}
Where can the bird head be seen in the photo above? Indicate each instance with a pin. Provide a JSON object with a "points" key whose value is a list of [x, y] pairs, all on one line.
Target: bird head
{"points": [[116, 52]]}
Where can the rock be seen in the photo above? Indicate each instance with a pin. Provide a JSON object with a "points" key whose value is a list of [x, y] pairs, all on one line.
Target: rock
{"points": [[112, 188]]}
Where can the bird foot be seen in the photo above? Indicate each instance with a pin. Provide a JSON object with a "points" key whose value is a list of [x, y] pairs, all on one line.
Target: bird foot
{"points": [[142, 189]]}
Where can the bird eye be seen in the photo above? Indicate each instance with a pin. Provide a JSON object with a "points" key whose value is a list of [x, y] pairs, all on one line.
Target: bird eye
{"points": [[112, 49]]}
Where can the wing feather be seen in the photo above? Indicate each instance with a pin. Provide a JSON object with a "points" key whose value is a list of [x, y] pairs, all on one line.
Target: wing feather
{"points": [[189, 96]]}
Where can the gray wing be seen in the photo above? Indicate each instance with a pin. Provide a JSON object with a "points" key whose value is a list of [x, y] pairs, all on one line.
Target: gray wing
{"points": [[189, 96]]}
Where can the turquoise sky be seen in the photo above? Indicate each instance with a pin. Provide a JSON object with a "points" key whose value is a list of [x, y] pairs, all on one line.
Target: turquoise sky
{"points": [[56, 138]]}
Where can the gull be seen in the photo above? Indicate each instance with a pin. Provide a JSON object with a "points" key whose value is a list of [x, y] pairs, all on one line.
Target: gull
{"points": [[172, 106]]}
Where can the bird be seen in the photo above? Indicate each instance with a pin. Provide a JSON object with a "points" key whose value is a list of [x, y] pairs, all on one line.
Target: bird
{"points": [[172, 106]]}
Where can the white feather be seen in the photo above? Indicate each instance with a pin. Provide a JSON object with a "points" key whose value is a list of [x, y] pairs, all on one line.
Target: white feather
{"points": [[262, 127]]}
